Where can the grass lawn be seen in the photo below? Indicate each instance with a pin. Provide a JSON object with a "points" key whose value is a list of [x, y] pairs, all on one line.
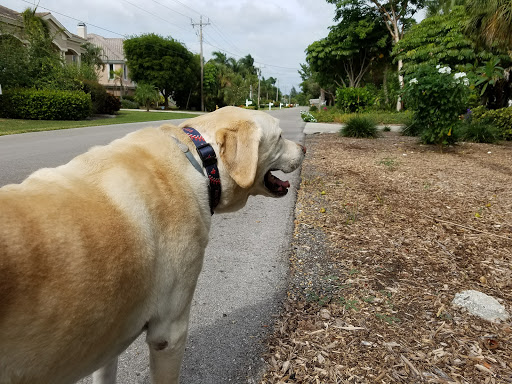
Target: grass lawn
{"points": [[379, 117], [12, 126]]}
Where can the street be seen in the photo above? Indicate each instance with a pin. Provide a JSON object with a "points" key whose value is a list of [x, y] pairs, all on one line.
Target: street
{"points": [[245, 269]]}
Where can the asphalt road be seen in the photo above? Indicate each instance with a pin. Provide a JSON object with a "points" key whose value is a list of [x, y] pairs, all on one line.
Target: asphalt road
{"points": [[244, 274]]}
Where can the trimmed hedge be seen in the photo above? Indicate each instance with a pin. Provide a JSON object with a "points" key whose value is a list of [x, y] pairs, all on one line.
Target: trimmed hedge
{"points": [[45, 104]]}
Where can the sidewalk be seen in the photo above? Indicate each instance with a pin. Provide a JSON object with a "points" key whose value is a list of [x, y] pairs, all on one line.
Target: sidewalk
{"points": [[161, 110], [312, 128]]}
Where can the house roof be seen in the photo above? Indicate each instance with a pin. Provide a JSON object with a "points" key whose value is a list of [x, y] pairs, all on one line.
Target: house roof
{"points": [[9, 13], [16, 16], [112, 47]]}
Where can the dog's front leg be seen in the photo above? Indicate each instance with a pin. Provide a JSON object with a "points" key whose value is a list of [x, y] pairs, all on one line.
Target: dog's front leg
{"points": [[106, 374], [166, 340]]}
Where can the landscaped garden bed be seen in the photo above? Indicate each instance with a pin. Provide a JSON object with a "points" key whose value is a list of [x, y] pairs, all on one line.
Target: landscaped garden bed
{"points": [[387, 231]]}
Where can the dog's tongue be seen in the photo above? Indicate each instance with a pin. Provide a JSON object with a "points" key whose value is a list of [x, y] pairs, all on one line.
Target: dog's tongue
{"points": [[276, 185]]}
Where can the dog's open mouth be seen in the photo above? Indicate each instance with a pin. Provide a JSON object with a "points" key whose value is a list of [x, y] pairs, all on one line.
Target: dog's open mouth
{"points": [[275, 185]]}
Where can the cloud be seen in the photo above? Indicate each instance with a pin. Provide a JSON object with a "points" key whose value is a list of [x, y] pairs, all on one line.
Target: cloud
{"points": [[275, 33]]}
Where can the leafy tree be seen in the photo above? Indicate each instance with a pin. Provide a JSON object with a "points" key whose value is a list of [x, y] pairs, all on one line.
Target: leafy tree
{"points": [[440, 39], [293, 95], [228, 81], [309, 85], [163, 62], [211, 85], [13, 62], [490, 22], [146, 94], [397, 15], [351, 47]]}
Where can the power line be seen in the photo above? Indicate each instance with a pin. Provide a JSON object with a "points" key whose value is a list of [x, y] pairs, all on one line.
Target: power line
{"points": [[171, 9], [186, 6], [152, 14], [93, 25], [126, 36]]}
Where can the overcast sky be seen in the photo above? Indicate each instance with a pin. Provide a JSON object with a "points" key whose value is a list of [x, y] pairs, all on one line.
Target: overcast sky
{"points": [[275, 33]]}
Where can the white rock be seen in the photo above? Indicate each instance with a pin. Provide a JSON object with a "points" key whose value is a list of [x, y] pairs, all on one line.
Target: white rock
{"points": [[481, 305]]}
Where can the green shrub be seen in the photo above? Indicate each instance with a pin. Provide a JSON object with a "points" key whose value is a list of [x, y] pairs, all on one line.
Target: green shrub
{"points": [[354, 99], [45, 104], [128, 104], [437, 99], [325, 115], [112, 104], [313, 108], [307, 117], [98, 95], [360, 126], [478, 131], [129, 97], [501, 118]]}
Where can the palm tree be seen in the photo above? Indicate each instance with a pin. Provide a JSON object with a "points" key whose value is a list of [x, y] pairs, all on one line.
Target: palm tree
{"points": [[246, 64], [146, 94], [490, 22], [220, 58], [435, 7], [118, 76]]}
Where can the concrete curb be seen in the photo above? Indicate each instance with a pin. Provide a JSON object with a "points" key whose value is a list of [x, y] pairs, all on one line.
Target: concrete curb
{"points": [[312, 128]]}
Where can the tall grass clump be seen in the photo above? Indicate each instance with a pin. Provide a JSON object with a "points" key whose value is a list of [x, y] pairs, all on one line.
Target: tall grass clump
{"points": [[479, 131], [360, 126]]}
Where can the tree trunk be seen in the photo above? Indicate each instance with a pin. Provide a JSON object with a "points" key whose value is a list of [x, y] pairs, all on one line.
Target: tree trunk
{"points": [[322, 98], [166, 100], [385, 85], [401, 83]]}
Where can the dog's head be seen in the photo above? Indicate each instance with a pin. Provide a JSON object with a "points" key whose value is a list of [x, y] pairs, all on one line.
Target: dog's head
{"points": [[249, 146]]}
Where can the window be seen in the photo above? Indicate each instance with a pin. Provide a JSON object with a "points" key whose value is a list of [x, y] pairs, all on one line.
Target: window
{"points": [[111, 71], [125, 72]]}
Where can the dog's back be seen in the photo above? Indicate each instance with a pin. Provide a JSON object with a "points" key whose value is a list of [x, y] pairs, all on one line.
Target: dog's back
{"points": [[73, 267]]}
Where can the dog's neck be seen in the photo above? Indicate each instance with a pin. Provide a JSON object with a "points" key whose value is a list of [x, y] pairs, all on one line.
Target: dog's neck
{"points": [[209, 160]]}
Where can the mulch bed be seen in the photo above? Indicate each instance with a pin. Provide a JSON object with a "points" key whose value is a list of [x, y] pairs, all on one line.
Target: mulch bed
{"points": [[387, 231]]}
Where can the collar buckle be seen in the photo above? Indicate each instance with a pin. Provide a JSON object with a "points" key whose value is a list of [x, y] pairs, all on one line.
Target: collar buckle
{"points": [[207, 154]]}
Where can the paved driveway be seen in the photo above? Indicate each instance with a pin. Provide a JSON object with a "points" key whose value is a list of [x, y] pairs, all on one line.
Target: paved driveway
{"points": [[244, 273]]}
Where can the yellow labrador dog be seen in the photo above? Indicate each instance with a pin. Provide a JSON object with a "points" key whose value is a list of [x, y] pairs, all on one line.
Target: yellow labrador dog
{"points": [[94, 252]]}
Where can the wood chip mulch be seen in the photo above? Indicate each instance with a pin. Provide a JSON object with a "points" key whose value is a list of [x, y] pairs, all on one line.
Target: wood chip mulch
{"points": [[387, 231]]}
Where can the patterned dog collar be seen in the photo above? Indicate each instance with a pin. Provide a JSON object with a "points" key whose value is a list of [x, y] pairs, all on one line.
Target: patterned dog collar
{"points": [[209, 160]]}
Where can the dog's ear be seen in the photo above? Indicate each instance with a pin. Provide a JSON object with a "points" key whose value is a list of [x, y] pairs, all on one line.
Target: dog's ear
{"points": [[239, 151]]}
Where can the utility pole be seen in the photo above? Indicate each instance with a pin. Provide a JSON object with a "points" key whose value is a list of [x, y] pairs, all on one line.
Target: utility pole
{"points": [[259, 82], [201, 55]]}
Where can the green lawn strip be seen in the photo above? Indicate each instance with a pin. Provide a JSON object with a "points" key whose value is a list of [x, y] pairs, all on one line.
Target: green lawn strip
{"points": [[12, 126], [378, 117]]}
